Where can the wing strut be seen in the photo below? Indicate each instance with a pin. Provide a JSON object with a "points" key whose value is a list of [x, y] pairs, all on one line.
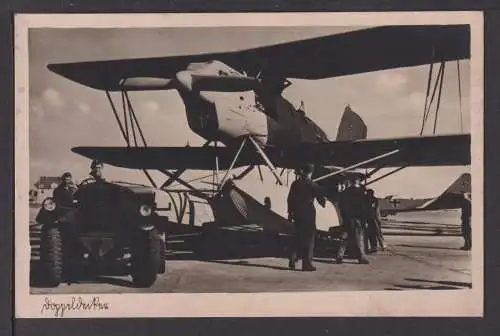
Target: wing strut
{"points": [[234, 161], [373, 171], [132, 132], [244, 173], [429, 83], [357, 165], [269, 163], [428, 104], [385, 175], [124, 127], [178, 173], [439, 98], [118, 121], [216, 173], [192, 189], [460, 96]]}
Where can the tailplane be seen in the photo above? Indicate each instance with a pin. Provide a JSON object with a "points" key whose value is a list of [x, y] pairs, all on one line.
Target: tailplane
{"points": [[352, 126], [451, 198]]}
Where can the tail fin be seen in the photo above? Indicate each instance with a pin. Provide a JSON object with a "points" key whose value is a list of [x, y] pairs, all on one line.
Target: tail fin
{"points": [[352, 126], [460, 186], [451, 197]]}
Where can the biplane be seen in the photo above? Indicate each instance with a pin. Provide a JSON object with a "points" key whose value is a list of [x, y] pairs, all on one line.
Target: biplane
{"points": [[234, 101], [449, 199]]}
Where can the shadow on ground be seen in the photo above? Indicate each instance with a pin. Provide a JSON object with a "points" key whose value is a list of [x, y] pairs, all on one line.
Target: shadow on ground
{"points": [[431, 284], [215, 246], [233, 244], [427, 247]]}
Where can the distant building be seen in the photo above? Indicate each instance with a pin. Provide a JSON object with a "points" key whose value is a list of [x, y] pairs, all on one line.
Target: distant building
{"points": [[43, 188]]}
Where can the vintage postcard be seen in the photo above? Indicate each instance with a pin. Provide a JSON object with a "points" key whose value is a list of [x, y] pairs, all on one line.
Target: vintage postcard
{"points": [[305, 164]]}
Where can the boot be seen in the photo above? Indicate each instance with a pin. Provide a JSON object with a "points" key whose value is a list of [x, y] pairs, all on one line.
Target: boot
{"points": [[308, 267], [363, 260], [291, 262], [467, 244], [340, 253]]}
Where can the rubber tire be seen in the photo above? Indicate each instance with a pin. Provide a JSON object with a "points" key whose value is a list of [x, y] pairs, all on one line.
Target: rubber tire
{"points": [[51, 256], [146, 259], [162, 268]]}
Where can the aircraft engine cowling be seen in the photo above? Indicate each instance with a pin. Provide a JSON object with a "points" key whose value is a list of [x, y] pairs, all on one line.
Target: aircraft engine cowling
{"points": [[224, 84], [222, 107], [215, 83], [146, 83]]}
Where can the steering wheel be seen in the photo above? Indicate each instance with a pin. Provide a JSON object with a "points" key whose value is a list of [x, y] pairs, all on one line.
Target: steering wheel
{"points": [[87, 181]]}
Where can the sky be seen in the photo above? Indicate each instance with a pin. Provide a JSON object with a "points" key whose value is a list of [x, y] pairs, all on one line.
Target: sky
{"points": [[64, 114]]}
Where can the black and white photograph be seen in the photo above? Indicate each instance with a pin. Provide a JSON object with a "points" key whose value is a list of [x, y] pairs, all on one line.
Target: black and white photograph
{"points": [[249, 164]]}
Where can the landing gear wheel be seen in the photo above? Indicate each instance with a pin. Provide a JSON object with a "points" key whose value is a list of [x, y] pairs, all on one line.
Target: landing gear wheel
{"points": [[51, 257], [146, 258], [163, 258]]}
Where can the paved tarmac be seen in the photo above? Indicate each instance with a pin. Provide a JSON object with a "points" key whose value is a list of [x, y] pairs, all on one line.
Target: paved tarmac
{"points": [[415, 260]]}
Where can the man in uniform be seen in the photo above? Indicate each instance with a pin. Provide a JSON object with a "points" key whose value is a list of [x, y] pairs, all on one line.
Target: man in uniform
{"points": [[374, 230], [466, 227], [352, 208], [63, 194], [83, 194], [95, 174], [302, 213]]}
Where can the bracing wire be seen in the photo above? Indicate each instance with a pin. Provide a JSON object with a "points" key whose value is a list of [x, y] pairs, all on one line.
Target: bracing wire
{"points": [[429, 81], [460, 96], [437, 88], [439, 98]]}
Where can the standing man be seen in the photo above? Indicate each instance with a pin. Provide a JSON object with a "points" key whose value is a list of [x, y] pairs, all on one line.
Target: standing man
{"points": [[302, 213], [95, 174], [352, 208], [63, 194], [466, 226], [83, 195], [374, 227]]}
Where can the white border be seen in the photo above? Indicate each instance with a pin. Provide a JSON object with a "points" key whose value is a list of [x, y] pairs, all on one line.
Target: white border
{"points": [[363, 303]]}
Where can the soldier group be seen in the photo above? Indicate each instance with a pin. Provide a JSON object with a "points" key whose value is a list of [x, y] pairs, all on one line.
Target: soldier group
{"points": [[66, 192], [359, 214], [359, 217]]}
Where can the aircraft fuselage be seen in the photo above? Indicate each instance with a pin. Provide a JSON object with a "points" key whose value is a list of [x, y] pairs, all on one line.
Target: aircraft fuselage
{"points": [[228, 116]]}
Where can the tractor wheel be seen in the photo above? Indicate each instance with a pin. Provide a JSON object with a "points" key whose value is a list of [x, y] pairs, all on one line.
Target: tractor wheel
{"points": [[51, 256], [146, 258]]}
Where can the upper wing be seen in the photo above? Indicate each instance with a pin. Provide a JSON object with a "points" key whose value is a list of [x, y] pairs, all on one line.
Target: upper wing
{"points": [[349, 53], [445, 150]]}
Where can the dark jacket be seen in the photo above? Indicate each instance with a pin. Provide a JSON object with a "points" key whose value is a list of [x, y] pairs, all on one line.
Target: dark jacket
{"points": [[373, 207], [64, 195], [301, 198], [353, 203]]}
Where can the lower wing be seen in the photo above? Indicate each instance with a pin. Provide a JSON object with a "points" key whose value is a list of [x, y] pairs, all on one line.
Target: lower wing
{"points": [[160, 158], [442, 150], [445, 150]]}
